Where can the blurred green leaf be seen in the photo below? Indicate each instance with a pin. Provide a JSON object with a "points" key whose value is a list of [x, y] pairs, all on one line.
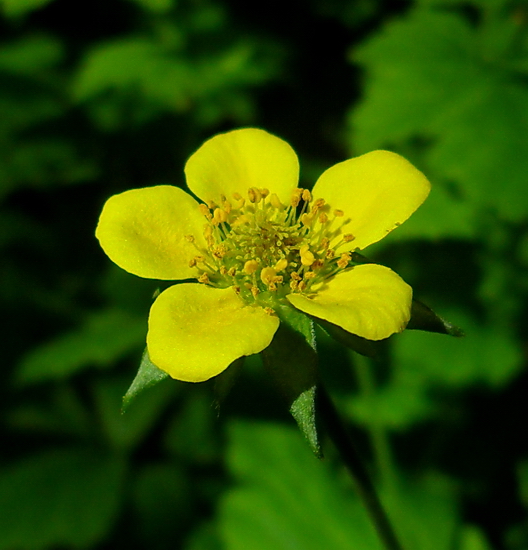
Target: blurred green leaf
{"points": [[163, 502], [472, 538], [31, 55], [60, 498], [156, 6], [105, 337], [428, 77], [19, 8], [487, 354], [286, 498], [125, 431]]}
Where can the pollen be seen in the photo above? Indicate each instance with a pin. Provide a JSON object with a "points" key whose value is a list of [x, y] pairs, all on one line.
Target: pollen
{"points": [[265, 248]]}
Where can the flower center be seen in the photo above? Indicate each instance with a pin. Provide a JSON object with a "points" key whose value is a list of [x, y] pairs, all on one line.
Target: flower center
{"points": [[265, 249]]}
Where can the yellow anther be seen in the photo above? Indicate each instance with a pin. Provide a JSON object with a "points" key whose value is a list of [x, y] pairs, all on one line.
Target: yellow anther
{"points": [[220, 216], [317, 205], [223, 270], [294, 284], [254, 195], [264, 192], [192, 263], [296, 198], [205, 211], [281, 265], [275, 201], [255, 291], [272, 287], [348, 238], [211, 204], [269, 310], [343, 260], [250, 267], [309, 275], [306, 219], [267, 275], [203, 278], [219, 251], [227, 206], [189, 238], [317, 264], [330, 253], [307, 258], [338, 213], [302, 286], [325, 243], [295, 276], [323, 217], [237, 196], [232, 271], [306, 195]]}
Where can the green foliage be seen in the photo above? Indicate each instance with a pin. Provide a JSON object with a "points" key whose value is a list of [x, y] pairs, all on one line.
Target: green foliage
{"points": [[45, 502], [462, 91]]}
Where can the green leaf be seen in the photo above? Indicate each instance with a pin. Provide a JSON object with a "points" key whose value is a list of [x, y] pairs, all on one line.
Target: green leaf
{"points": [[488, 354], [291, 360], [424, 318], [429, 77], [105, 337], [19, 8], [285, 498], [147, 376], [59, 498]]}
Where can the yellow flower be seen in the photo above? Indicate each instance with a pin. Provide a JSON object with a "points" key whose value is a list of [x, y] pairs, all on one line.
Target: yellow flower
{"points": [[256, 244]]}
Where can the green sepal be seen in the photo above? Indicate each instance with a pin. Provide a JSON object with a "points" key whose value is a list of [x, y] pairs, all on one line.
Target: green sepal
{"points": [[147, 376], [424, 318], [291, 360], [368, 348]]}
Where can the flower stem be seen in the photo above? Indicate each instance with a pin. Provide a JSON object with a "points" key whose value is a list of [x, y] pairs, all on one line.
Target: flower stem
{"points": [[364, 486]]}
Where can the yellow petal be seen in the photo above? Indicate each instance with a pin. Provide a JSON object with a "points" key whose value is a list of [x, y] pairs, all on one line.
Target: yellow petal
{"points": [[233, 162], [144, 232], [195, 331], [377, 192], [369, 300]]}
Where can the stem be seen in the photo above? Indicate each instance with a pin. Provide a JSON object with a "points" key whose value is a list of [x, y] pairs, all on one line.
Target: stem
{"points": [[364, 486]]}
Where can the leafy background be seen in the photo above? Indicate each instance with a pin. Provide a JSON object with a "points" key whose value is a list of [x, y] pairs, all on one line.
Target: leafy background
{"points": [[102, 96]]}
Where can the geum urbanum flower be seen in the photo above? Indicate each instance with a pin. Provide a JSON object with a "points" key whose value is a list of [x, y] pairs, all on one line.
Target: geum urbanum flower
{"points": [[257, 245]]}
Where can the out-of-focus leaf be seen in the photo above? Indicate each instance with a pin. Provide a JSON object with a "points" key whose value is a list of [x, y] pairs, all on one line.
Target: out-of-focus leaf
{"points": [[488, 354], [163, 501], [66, 498], [19, 8], [105, 337], [522, 474], [428, 77], [286, 498], [147, 376], [125, 431], [156, 6], [472, 538], [31, 55]]}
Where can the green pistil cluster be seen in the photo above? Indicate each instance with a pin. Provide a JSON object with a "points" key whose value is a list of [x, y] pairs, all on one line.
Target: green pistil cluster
{"points": [[265, 249]]}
